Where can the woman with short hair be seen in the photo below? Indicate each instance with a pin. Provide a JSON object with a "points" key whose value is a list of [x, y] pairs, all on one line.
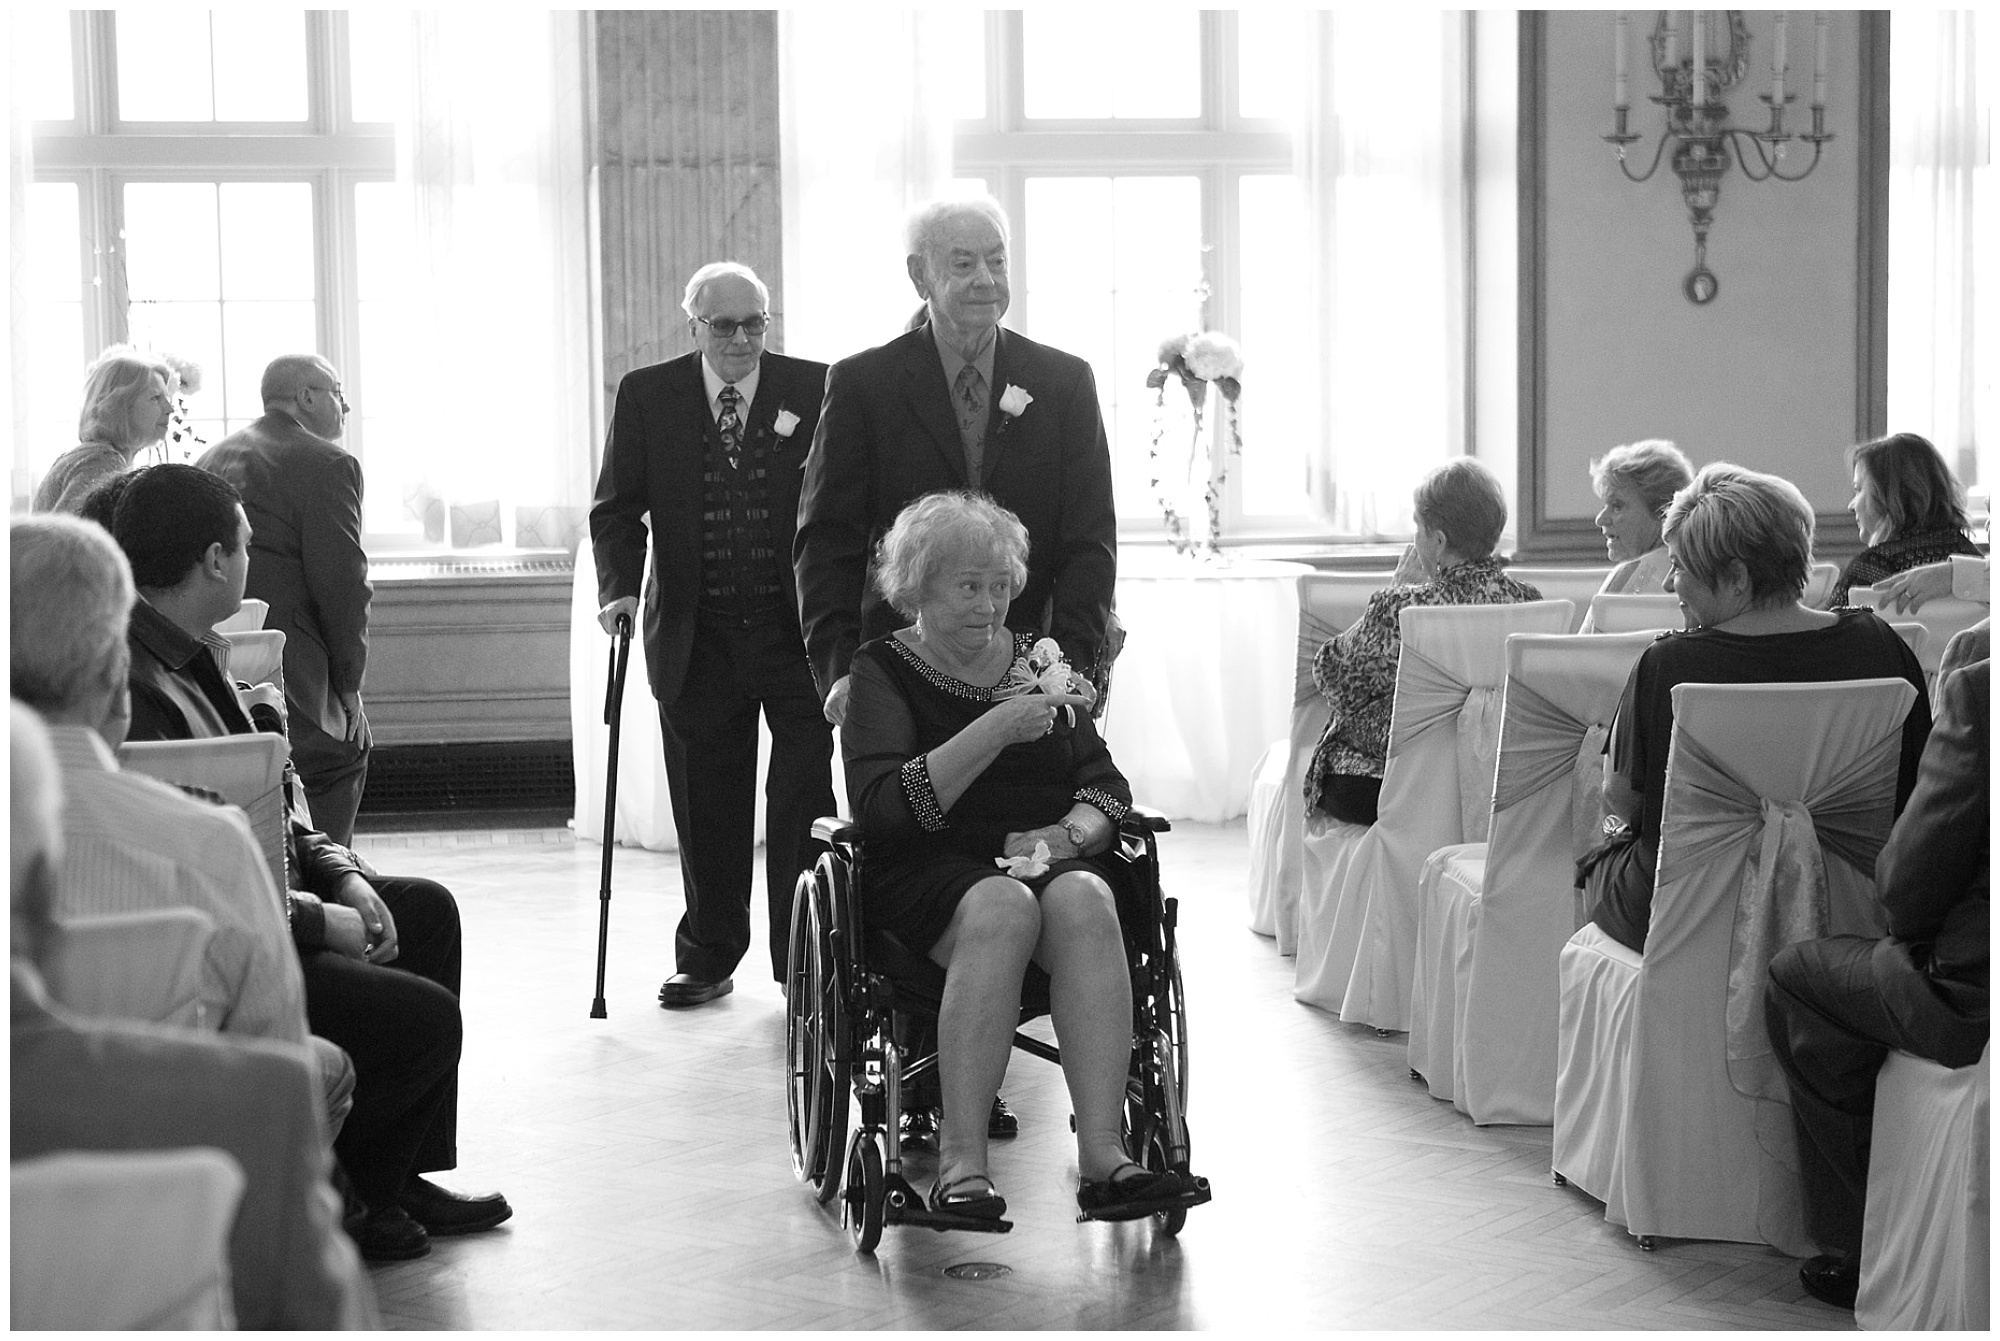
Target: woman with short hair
{"points": [[1741, 548], [1634, 483], [953, 761], [128, 404], [1907, 507], [1460, 512]]}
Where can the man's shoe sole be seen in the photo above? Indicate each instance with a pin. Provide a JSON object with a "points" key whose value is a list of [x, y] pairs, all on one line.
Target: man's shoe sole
{"points": [[484, 1222], [694, 996]]}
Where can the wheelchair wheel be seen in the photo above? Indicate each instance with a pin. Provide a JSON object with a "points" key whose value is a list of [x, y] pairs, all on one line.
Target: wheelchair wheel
{"points": [[816, 1033], [866, 1192]]}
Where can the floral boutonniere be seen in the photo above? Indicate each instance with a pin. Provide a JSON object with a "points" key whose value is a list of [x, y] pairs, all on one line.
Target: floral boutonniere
{"points": [[784, 423], [1014, 401], [1044, 670]]}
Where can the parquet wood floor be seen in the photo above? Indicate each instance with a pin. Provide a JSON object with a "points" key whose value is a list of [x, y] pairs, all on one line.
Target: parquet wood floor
{"points": [[646, 1157]]}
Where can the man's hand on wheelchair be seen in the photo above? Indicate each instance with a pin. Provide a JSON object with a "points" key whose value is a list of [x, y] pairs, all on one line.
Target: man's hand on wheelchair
{"points": [[1023, 844], [607, 618]]}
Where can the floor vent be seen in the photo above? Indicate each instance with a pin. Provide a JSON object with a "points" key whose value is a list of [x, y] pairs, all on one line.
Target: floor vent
{"points": [[527, 776]]}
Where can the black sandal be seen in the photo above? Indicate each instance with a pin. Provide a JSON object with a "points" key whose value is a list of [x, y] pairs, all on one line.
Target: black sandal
{"points": [[1134, 1198], [988, 1204]]}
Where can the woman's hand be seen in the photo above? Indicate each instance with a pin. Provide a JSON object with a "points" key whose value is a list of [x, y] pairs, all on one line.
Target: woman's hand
{"points": [[1057, 837], [380, 925], [1029, 717], [1410, 569]]}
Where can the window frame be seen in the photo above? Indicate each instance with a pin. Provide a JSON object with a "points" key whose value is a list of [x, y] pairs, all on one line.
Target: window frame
{"points": [[1219, 148]]}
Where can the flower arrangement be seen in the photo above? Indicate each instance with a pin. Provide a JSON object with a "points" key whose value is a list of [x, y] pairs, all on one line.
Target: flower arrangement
{"points": [[181, 441], [1197, 359]]}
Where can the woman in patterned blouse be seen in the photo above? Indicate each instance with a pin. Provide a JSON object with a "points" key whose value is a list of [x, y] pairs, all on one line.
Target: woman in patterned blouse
{"points": [[1907, 506], [1460, 512]]}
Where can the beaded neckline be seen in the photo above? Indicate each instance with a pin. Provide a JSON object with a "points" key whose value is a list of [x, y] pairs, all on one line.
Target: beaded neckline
{"points": [[950, 684]]}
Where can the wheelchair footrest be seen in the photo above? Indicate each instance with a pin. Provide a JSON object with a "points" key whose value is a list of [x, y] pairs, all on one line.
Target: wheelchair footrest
{"points": [[906, 1207], [1194, 1192]]}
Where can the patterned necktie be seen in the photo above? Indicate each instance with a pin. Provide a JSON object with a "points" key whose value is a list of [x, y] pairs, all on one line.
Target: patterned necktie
{"points": [[970, 394], [731, 427]]}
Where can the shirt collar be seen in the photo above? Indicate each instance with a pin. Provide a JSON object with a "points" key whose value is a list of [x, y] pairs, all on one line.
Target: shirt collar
{"points": [[170, 644], [952, 361], [747, 387]]}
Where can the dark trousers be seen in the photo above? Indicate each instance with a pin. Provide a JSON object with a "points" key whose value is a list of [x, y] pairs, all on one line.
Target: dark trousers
{"points": [[709, 735], [400, 1023], [1834, 1008], [334, 771]]}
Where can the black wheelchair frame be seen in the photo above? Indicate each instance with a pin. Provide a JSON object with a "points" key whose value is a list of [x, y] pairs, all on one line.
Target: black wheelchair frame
{"points": [[846, 989]]}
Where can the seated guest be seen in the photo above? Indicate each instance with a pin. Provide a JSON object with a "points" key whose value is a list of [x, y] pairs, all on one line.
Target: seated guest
{"points": [[1460, 512], [187, 539], [133, 843], [128, 403], [1836, 1006], [1907, 507], [949, 769], [1635, 483], [1741, 545], [113, 1086]]}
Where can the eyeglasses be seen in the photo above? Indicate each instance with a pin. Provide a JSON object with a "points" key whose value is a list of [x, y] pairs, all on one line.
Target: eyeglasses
{"points": [[726, 327]]}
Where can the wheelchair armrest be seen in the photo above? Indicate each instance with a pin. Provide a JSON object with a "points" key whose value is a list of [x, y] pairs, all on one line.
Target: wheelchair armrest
{"points": [[1139, 819], [833, 829]]}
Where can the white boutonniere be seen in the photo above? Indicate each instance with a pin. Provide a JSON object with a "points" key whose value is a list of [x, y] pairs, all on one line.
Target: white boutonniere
{"points": [[1044, 670], [784, 423], [1013, 401]]}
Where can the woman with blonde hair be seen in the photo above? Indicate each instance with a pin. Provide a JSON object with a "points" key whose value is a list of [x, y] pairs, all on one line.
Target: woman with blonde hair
{"points": [[1634, 483], [128, 404]]}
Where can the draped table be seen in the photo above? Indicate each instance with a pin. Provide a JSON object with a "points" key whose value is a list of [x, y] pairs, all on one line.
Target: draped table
{"points": [[1204, 685]]}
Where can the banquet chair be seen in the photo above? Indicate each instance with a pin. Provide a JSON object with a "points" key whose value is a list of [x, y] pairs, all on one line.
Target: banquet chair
{"points": [[1576, 585], [1669, 1106], [1820, 578], [1925, 1235], [249, 615], [1944, 617], [257, 656], [1328, 603], [123, 1241], [1357, 941], [1628, 612], [246, 771], [1492, 917], [143, 966]]}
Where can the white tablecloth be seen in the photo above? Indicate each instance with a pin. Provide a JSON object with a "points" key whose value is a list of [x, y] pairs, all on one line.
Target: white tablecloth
{"points": [[1204, 685]]}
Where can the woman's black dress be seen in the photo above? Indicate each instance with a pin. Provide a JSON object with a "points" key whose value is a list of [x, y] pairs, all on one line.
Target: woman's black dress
{"points": [[921, 860]]}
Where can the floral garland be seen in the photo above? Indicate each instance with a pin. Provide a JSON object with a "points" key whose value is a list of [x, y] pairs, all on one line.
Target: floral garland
{"points": [[1197, 359], [181, 437]]}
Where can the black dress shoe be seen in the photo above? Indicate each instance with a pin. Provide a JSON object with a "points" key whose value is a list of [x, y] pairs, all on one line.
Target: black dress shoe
{"points": [[684, 989], [442, 1211], [388, 1234], [1832, 1280], [919, 1128], [1001, 1122]]}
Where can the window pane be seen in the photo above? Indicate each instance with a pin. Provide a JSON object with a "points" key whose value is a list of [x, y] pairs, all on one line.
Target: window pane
{"points": [[1079, 63], [377, 42], [252, 335], [1271, 53], [54, 349], [164, 73], [50, 94], [966, 40], [172, 246], [1110, 293], [267, 240], [189, 330], [260, 64], [378, 393], [1272, 466]]}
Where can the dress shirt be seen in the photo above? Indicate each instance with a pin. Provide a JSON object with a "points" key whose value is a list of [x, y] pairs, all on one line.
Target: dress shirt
{"points": [[134, 844], [953, 361], [712, 382]]}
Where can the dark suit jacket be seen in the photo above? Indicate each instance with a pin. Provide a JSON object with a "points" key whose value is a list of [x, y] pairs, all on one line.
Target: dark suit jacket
{"points": [[303, 497], [889, 435], [653, 464]]}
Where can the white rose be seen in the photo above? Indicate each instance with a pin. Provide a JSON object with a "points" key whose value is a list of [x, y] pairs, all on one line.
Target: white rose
{"points": [[1212, 354], [1014, 400], [784, 423]]}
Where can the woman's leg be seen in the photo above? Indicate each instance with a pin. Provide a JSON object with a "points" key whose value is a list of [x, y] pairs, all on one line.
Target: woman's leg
{"points": [[1090, 1003], [984, 952]]}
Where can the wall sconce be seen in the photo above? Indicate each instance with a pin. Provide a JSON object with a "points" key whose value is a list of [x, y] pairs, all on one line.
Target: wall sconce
{"points": [[1691, 92]]}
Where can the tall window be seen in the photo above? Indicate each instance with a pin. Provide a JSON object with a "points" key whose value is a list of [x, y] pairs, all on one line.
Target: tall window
{"points": [[1146, 162], [196, 180]]}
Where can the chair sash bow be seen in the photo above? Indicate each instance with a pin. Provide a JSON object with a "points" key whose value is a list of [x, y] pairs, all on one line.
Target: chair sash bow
{"points": [[1542, 742], [1429, 696]]}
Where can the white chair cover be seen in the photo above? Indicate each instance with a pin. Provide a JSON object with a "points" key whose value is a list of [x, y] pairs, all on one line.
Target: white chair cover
{"points": [[257, 656], [1485, 1037], [1670, 1050], [249, 615], [1436, 789], [1926, 1237], [1819, 584], [1328, 603], [1576, 585], [124, 1241], [246, 771], [1630, 612], [134, 966], [1944, 618]]}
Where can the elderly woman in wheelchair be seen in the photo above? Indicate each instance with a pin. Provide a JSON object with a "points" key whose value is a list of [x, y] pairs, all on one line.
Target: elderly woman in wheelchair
{"points": [[990, 804]]}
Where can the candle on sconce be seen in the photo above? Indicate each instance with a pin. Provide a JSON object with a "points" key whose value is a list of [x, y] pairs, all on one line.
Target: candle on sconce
{"points": [[1778, 60], [1673, 43], [1698, 87], [1819, 60], [1620, 92]]}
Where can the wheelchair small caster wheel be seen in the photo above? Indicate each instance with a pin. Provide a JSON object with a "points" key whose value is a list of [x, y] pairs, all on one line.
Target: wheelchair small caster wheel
{"points": [[1384, 1033], [1558, 1179], [1416, 1075], [1646, 1243]]}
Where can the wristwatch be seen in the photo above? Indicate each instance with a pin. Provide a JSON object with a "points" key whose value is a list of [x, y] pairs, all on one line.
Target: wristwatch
{"points": [[1076, 834]]}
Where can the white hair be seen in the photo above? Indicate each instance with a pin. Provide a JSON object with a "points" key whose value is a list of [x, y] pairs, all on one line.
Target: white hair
{"points": [[921, 229], [71, 594], [715, 270]]}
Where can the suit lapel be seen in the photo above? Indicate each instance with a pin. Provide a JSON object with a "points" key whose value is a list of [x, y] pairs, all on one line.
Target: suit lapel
{"points": [[930, 399], [999, 426]]}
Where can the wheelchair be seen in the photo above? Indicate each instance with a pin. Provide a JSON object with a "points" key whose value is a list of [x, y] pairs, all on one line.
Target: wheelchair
{"points": [[851, 994]]}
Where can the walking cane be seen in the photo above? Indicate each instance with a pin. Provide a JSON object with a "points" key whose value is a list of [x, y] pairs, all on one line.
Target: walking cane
{"points": [[614, 703]]}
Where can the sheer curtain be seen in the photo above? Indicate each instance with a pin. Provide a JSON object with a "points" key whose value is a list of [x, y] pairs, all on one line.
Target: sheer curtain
{"points": [[19, 333], [1941, 181], [865, 132], [489, 326], [1380, 155]]}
